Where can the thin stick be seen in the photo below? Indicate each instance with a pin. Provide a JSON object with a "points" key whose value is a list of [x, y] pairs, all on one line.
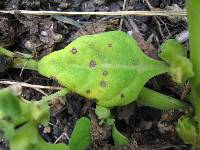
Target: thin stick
{"points": [[117, 13], [60, 137], [23, 84], [122, 20], [157, 22]]}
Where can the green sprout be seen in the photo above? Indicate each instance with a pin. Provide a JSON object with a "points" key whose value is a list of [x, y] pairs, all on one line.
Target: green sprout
{"points": [[19, 121]]}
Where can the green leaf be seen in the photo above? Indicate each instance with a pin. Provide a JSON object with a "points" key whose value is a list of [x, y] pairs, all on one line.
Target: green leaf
{"points": [[43, 145], [102, 112], [187, 129], [25, 137], [9, 131], [109, 67], [109, 121], [40, 112], [193, 9], [9, 104], [5, 52], [81, 137], [119, 139], [175, 55]]}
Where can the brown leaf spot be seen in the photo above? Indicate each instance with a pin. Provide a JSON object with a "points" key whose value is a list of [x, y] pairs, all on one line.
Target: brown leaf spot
{"points": [[122, 95], [88, 91], [103, 83], [105, 73], [91, 45], [92, 63], [74, 50], [109, 45]]}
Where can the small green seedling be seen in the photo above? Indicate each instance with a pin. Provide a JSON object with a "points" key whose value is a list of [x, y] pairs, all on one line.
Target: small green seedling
{"points": [[175, 55], [19, 120]]}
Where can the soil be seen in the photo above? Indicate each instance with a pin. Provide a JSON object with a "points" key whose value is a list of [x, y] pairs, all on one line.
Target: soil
{"points": [[147, 128]]}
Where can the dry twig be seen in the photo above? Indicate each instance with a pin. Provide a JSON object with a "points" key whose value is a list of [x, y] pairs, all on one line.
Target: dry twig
{"points": [[116, 13], [23, 84], [122, 20], [148, 48], [157, 22]]}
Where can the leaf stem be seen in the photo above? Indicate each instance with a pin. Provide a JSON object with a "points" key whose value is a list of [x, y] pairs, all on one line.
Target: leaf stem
{"points": [[19, 62], [60, 93], [6, 52], [155, 99], [193, 7], [23, 63]]}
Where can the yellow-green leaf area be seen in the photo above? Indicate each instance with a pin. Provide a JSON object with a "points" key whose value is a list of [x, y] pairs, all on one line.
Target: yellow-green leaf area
{"points": [[108, 67]]}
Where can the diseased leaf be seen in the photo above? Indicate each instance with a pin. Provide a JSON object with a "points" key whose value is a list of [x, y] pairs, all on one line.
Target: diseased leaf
{"points": [[108, 67], [81, 138]]}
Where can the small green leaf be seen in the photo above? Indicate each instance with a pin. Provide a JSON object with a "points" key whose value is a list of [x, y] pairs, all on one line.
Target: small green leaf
{"points": [[9, 131], [9, 104], [102, 112], [81, 137], [43, 145], [119, 139], [109, 121], [187, 129], [175, 55], [40, 112], [25, 137]]}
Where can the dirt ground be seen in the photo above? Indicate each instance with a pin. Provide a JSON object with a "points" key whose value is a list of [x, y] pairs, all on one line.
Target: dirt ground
{"points": [[147, 128]]}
